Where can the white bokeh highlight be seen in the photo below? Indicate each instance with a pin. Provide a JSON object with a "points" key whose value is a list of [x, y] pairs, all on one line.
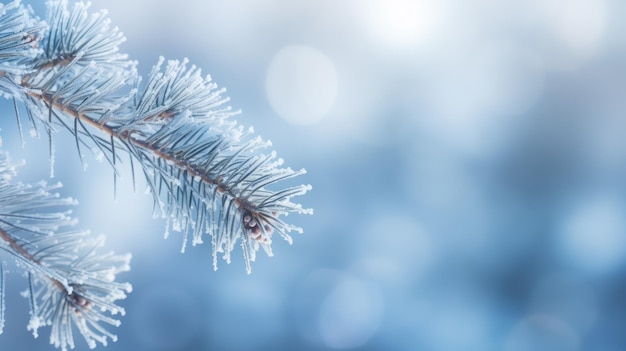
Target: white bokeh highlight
{"points": [[302, 84], [574, 29], [592, 236], [403, 23], [479, 100]]}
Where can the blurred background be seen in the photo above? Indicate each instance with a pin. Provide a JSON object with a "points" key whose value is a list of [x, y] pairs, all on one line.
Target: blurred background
{"points": [[468, 163]]}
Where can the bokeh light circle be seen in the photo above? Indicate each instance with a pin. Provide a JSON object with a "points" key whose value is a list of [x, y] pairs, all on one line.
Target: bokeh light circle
{"points": [[337, 309], [572, 30], [350, 314], [302, 84], [542, 333], [591, 236], [568, 298], [403, 23], [479, 101], [393, 246]]}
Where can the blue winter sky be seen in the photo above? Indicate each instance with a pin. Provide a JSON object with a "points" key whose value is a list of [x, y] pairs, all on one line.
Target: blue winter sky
{"points": [[468, 163]]}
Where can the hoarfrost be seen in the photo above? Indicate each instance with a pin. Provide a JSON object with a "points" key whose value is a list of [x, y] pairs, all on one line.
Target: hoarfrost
{"points": [[98, 154]]}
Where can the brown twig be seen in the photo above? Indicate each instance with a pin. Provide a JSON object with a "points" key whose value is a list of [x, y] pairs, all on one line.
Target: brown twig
{"points": [[24, 253], [191, 169]]}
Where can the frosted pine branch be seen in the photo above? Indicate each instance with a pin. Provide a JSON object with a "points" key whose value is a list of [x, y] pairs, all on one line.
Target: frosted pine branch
{"points": [[208, 175], [70, 284]]}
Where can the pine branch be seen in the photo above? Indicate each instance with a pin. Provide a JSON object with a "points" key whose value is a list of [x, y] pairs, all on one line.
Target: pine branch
{"points": [[70, 284], [207, 174]]}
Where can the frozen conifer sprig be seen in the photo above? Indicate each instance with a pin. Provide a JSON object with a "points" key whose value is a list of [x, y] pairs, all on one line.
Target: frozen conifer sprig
{"points": [[208, 175], [70, 285]]}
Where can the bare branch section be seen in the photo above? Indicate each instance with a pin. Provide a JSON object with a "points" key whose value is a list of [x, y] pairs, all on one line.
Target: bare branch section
{"points": [[208, 175]]}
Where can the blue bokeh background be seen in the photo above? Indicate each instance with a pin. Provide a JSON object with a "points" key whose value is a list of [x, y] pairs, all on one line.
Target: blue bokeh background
{"points": [[468, 162]]}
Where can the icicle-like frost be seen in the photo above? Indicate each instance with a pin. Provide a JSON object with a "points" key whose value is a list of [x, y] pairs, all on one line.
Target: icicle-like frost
{"points": [[1, 297], [52, 153], [98, 154]]}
